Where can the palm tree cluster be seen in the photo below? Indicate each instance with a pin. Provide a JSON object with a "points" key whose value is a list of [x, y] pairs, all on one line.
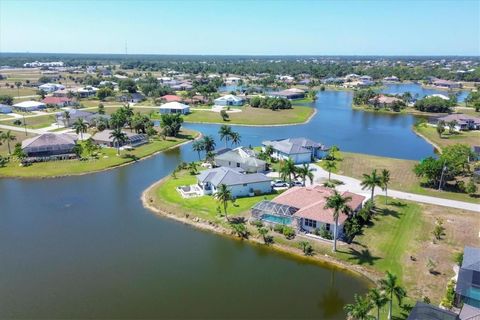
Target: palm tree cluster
{"points": [[376, 299], [370, 181], [7, 137], [227, 134], [289, 172], [207, 144]]}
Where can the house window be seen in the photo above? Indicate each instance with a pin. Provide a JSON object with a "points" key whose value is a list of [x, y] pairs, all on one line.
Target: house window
{"points": [[238, 165], [310, 223], [327, 226], [244, 184]]}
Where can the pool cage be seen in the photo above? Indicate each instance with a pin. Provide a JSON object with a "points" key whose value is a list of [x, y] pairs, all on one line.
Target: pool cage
{"points": [[468, 287], [270, 208]]}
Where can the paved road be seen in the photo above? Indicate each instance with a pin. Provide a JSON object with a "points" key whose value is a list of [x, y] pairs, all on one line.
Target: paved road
{"points": [[353, 185]]}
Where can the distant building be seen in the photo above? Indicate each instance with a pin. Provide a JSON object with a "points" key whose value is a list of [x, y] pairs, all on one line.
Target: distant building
{"points": [[171, 98], [76, 114], [5, 108], [385, 101], [424, 311], [29, 106], [391, 79], [59, 102], [463, 122], [132, 97], [290, 94], [174, 107], [446, 84], [300, 150], [87, 91], [229, 100], [133, 139], [37, 64], [51, 87]]}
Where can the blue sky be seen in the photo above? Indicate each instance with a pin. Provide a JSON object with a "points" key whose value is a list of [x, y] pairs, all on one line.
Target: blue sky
{"points": [[386, 27]]}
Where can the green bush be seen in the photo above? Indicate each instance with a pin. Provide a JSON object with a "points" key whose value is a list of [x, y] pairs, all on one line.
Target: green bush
{"points": [[278, 228], [288, 232]]}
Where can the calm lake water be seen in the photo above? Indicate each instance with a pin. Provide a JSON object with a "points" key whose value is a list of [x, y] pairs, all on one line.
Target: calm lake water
{"points": [[84, 247], [416, 89]]}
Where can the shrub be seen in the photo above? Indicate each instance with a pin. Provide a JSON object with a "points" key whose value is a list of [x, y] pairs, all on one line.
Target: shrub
{"points": [[447, 301], [256, 223], [458, 258], [288, 232], [324, 233], [278, 228]]}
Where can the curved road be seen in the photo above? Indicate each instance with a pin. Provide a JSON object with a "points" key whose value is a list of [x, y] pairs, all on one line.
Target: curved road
{"points": [[353, 185]]}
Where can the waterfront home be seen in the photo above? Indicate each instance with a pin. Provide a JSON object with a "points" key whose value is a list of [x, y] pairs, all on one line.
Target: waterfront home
{"points": [[439, 95], [87, 91], [5, 108], [240, 157], [103, 138], [131, 97], [468, 283], [49, 146], [463, 122], [290, 94], [59, 102], [185, 85], [240, 183], [300, 150], [75, 114], [29, 106], [424, 311], [51, 87], [447, 84], [171, 98], [304, 209], [174, 107], [391, 79], [385, 101], [229, 100]]}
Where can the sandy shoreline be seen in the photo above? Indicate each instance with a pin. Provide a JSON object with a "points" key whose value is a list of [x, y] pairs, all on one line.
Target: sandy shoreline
{"points": [[321, 260]]}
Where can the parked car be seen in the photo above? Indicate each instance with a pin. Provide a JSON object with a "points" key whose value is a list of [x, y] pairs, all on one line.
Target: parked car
{"points": [[279, 184], [296, 184]]}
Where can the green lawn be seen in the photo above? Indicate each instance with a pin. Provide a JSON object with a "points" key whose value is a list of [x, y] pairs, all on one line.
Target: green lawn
{"points": [[15, 93], [255, 116], [402, 177], [107, 159], [35, 122], [467, 137]]}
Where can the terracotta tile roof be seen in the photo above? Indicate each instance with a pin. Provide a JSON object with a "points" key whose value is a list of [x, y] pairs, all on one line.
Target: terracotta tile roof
{"points": [[56, 100], [310, 202], [171, 98]]}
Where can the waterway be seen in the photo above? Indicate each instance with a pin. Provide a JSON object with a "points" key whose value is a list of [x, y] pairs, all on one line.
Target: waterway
{"points": [[84, 247]]}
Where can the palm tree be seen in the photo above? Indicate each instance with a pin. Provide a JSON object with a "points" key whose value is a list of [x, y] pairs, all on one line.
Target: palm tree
{"points": [[208, 144], [236, 138], [80, 126], [223, 195], [118, 137], [339, 204], [371, 181], [384, 180], [360, 309], [378, 299], [330, 165], [198, 147], [263, 232], [8, 136], [332, 152], [66, 118], [391, 288], [304, 173], [225, 133], [287, 169]]}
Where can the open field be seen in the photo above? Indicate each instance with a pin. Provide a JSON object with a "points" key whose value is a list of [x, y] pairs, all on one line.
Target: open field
{"points": [[472, 138], [35, 122], [255, 116], [107, 159], [402, 177], [17, 92]]}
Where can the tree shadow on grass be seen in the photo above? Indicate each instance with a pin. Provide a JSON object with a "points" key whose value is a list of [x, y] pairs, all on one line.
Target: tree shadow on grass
{"points": [[130, 156], [361, 257], [237, 220], [389, 212], [397, 204]]}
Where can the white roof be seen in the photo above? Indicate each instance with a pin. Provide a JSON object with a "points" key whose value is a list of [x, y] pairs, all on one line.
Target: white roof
{"points": [[174, 105], [229, 97], [28, 104], [439, 95]]}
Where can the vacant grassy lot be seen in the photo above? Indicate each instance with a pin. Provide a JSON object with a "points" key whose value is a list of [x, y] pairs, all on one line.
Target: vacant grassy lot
{"points": [[402, 177], [35, 122], [255, 116], [15, 93], [107, 159], [204, 207], [467, 137]]}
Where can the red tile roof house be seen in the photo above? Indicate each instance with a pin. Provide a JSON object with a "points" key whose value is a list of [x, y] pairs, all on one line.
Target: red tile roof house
{"points": [[58, 101], [304, 209], [171, 98]]}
